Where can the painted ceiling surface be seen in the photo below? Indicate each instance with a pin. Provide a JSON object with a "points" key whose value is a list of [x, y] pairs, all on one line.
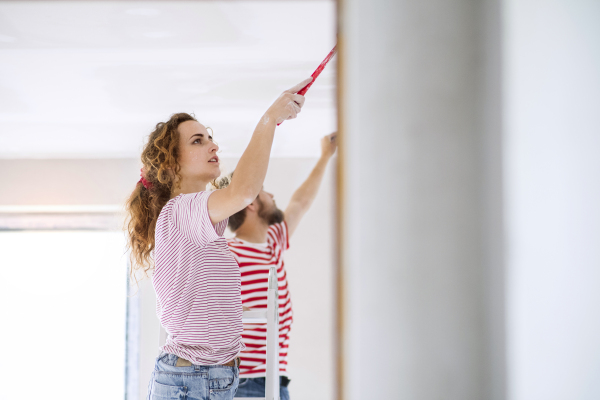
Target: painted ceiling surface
{"points": [[91, 79]]}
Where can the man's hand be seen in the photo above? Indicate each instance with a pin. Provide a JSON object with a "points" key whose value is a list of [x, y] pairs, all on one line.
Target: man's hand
{"points": [[244, 308], [329, 145]]}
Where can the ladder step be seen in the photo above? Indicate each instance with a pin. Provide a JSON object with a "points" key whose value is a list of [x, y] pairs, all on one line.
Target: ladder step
{"points": [[254, 317]]}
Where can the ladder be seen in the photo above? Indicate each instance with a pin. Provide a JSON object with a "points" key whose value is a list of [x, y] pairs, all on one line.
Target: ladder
{"points": [[271, 318]]}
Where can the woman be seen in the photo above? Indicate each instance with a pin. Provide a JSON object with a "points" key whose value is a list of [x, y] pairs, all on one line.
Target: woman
{"points": [[176, 229]]}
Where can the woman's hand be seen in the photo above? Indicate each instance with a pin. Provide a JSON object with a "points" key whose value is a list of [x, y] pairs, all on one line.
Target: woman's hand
{"points": [[288, 105], [328, 145]]}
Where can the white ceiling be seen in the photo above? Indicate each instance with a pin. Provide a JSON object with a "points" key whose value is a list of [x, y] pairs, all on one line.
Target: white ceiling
{"points": [[90, 79]]}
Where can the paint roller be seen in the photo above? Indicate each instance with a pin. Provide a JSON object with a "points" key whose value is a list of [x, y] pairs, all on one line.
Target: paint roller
{"points": [[317, 72]]}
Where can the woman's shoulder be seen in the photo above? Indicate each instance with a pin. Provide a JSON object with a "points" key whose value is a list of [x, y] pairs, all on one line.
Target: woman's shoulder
{"points": [[186, 198], [190, 197], [188, 213]]}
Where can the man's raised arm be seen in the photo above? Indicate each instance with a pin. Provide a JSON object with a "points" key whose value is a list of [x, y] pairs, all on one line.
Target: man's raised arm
{"points": [[306, 193]]}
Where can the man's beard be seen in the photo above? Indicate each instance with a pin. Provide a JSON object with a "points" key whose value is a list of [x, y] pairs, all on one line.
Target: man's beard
{"points": [[271, 217]]}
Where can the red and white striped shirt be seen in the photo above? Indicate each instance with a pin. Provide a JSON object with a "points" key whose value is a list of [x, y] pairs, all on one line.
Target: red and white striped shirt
{"points": [[254, 261], [197, 283]]}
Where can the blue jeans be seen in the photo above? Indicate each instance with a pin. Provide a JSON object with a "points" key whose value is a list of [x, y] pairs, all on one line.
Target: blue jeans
{"points": [[197, 382], [255, 387]]}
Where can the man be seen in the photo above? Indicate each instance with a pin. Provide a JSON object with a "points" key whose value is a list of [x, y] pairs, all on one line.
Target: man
{"points": [[261, 238]]}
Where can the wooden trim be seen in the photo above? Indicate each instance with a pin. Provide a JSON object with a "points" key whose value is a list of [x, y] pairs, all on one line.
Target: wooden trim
{"points": [[339, 218]]}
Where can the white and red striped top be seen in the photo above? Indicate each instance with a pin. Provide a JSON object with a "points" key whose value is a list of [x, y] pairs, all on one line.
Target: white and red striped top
{"points": [[254, 261], [197, 283]]}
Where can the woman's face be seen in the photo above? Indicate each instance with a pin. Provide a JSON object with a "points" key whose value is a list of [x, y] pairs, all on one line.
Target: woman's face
{"points": [[197, 153]]}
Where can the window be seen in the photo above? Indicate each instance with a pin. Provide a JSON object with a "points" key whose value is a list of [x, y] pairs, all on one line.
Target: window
{"points": [[63, 307]]}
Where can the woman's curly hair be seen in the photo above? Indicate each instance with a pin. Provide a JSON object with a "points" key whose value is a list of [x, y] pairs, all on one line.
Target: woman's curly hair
{"points": [[161, 172]]}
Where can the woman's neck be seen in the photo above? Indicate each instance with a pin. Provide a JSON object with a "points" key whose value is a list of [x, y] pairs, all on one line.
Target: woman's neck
{"points": [[189, 186]]}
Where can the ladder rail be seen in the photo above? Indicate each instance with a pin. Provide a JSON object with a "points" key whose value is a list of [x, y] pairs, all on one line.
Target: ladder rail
{"points": [[272, 381]]}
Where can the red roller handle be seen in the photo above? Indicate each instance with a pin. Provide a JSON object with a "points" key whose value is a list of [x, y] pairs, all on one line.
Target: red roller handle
{"points": [[317, 72]]}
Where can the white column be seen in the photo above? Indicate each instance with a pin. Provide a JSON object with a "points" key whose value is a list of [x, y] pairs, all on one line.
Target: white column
{"points": [[419, 170]]}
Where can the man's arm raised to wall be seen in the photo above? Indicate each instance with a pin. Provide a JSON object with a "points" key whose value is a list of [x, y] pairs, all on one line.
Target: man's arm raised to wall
{"points": [[304, 196]]}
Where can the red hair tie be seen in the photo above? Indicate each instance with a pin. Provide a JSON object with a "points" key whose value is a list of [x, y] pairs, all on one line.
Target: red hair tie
{"points": [[147, 185]]}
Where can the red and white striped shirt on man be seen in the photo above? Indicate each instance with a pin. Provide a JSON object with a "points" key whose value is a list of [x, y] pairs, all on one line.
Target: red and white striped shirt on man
{"points": [[197, 283], [254, 261]]}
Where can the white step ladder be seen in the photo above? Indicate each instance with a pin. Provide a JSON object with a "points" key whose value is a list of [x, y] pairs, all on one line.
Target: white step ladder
{"points": [[271, 318]]}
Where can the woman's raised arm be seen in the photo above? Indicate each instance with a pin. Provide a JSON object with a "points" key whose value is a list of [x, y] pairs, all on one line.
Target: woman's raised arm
{"points": [[252, 168]]}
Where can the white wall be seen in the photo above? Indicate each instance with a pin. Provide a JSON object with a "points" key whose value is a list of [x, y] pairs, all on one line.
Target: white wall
{"points": [[67, 182], [552, 175]]}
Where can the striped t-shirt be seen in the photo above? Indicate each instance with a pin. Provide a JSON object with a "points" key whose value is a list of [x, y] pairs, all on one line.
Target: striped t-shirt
{"points": [[254, 261], [197, 283]]}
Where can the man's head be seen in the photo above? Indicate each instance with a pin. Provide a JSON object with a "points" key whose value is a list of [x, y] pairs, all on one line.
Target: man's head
{"points": [[262, 210], [267, 209]]}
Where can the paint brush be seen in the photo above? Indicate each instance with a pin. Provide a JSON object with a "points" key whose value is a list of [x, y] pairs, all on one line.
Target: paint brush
{"points": [[317, 72]]}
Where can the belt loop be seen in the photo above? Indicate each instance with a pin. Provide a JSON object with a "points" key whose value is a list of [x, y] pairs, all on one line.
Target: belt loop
{"points": [[196, 368]]}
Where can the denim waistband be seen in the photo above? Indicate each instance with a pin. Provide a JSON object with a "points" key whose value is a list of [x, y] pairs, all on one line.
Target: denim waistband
{"points": [[171, 359]]}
